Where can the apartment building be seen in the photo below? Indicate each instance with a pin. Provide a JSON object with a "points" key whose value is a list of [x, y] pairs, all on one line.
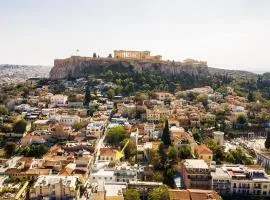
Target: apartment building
{"points": [[241, 180], [196, 174], [54, 187]]}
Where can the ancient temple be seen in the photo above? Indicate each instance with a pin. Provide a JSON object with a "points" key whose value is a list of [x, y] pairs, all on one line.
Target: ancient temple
{"points": [[140, 55]]}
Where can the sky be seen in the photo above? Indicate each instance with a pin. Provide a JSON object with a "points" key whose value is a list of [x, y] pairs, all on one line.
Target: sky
{"points": [[231, 34]]}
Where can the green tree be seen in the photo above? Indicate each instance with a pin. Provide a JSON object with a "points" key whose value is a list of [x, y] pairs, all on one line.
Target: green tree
{"points": [[77, 125], [172, 153], [3, 110], [140, 96], [241, 120], [203, 98], [20, 126], [116, 135], [94, 55], [267, 141], [6, 128], [158, 177], [111, 93], [130, 150], [87, 96], [250, 96], [139, 111], [166, 134], [196, 134], [132, 194], [159, 193], [185, 152], [10, 149], [35, 150]]}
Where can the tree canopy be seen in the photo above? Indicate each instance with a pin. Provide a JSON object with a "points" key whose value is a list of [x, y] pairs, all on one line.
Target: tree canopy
{"points": [[10, 149], [3, 110], [159, 193], [20, 126], [166, 134], [132, 194], [116, 135]]}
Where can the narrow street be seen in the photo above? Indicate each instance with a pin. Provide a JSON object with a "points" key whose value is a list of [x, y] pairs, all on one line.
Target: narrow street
{"points": [[87, 185]]}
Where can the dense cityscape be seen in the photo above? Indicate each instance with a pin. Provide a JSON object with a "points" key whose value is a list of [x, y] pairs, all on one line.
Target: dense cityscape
{"points": [[135, 100], [116, 135]]}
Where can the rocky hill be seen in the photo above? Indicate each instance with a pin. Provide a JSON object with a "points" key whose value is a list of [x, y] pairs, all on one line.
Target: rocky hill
{"points": [[76, 66], [19, 73]]}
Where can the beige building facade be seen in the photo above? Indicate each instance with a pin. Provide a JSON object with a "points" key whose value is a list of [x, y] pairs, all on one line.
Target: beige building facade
{"points": [[141, 55]]}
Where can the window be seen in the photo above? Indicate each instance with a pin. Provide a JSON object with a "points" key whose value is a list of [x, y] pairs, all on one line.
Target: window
{"points": [[94, 178]]}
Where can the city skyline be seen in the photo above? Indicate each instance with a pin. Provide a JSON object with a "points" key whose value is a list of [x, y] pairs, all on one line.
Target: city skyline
{"points": [[230, 35]]}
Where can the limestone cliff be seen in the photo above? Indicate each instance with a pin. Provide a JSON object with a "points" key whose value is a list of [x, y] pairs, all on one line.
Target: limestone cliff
{"points": [[76, 67]]}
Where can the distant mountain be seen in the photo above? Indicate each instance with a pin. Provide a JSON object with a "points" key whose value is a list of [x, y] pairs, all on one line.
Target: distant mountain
{"points": [[19, 73]]}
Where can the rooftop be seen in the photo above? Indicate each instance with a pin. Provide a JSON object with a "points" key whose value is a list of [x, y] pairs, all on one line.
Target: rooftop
{"points": [[195, 163], [103, 172], [114, 189], [53, 179]]}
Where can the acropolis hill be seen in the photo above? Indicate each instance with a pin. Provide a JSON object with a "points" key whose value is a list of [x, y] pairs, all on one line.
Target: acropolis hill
{"points": [[124, 61]]}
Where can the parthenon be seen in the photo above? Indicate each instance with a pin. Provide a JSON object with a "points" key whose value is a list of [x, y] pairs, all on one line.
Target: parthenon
{"points": [[141, 55]]}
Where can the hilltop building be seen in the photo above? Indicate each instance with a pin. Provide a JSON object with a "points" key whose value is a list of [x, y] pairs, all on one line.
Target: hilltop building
{"points": [[141, 55]]}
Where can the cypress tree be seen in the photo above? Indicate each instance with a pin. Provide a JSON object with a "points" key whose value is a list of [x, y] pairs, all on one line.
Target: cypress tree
{"points": [[87, 96], [166, 134]]}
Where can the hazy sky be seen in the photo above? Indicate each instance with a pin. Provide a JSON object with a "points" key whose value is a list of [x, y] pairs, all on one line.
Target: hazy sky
{"points": [[231, 34]]}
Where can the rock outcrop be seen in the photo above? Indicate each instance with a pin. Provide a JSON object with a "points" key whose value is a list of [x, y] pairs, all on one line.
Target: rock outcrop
{"points": [[76, 67]]}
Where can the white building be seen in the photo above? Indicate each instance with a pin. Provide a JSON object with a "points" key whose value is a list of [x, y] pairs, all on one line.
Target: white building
{"points": [[219, 137], [263, 158], [241, 180], [134, 136], [65, 119], [96, 128], [54, 187], [101, 176], [149, 129], [59, 100], [120, 173]]}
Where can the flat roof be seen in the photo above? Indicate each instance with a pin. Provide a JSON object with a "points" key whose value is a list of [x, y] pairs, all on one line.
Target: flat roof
{"points": [[220, 173], [114, 189], [196, 163], [102, 172]]}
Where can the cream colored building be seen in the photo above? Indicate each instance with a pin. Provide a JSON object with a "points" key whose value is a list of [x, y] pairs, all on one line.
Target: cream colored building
{"points": [[59, 99], [204, 153], [219, 137], [151, 116], [141, 55], [54, 187], [164, 96]]}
